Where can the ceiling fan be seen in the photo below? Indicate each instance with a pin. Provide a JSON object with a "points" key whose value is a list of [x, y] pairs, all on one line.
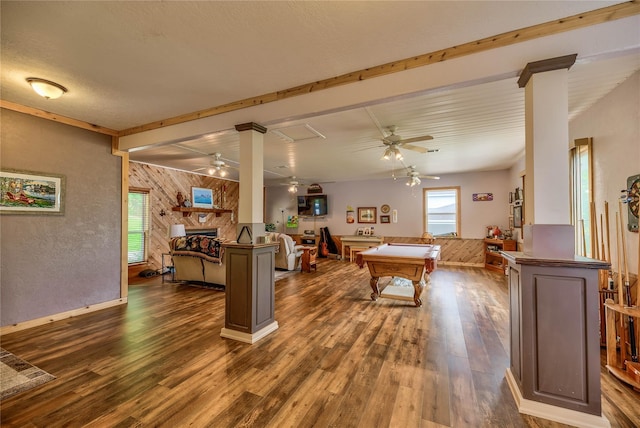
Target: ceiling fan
{"points": [[393, 142], [216, 166], [293, 184], [413, 176]]}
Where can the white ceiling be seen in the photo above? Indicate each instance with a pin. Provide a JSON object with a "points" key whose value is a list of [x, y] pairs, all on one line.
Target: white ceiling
{"points": [[127, 64]]}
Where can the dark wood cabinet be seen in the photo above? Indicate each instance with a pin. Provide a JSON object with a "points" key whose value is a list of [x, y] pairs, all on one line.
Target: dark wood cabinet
{"points": [[493, 260], [554, 346]]}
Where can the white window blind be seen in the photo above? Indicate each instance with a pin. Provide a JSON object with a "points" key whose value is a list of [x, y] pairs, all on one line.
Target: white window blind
{"points": [[138, 226]]}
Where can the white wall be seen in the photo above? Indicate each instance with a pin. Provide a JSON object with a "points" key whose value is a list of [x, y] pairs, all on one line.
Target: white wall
{"points": [[475, 216], [614, 124]]}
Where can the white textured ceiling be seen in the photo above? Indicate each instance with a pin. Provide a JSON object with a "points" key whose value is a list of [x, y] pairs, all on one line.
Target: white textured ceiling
{"points": [[130, 63]]}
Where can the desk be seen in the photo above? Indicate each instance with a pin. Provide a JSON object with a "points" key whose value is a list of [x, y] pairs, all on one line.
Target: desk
{"points": [[410, 261], [308, 258], [360, 241]]}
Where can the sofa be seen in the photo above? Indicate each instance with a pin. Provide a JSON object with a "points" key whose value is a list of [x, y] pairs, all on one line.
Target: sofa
{"points": [[199, 259], [287, 252]]}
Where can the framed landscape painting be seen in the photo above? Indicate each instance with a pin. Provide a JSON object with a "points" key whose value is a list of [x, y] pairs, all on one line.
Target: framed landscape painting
{"points": [[201, 197], [28, 192]]}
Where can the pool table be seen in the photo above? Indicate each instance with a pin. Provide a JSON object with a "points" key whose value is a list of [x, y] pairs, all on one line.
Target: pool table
{"points": [[410, 261]]}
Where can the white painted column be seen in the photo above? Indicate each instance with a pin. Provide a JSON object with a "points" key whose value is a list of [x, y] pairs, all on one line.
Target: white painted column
{"points": [[547, 192], [547, 209], [251, 199]]}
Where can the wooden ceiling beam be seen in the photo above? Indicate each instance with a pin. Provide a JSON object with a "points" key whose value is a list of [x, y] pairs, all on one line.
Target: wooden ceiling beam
{"points": [[57, 118]]}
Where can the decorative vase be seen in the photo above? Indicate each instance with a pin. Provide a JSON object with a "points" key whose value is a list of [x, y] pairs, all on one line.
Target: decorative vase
{"points": [[497, 232], [180, 199]]}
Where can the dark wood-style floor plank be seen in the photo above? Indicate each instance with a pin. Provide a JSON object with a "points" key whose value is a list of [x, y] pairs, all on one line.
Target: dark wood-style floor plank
{"points": [[338, 359]]}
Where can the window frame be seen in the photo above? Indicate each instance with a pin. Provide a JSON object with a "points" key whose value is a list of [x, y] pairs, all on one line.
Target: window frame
{"points": [[146, 232], [581, 210], [425, 213]]}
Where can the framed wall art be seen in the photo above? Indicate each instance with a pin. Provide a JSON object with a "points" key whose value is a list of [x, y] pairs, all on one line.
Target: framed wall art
{"points": [[517, 216], [29, 192], [367, 215], [385, 219], [201, 197], [479, 197]]}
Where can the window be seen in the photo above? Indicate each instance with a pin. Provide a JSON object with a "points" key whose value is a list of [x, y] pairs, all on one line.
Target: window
{"points": [[582, 196], [138, 226], [442, 211]]}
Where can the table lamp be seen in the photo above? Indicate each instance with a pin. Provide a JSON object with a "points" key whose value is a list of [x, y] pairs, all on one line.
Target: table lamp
{"points": [[177, 230]]}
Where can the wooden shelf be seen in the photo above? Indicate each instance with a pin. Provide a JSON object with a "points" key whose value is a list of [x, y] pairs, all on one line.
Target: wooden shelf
{"points": [[617, 361], [493, 260], [186, 212]]}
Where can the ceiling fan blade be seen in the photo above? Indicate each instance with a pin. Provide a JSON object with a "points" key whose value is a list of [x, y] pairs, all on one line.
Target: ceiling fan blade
{"points": [[415, 148], [430, 177], [416, 139]]}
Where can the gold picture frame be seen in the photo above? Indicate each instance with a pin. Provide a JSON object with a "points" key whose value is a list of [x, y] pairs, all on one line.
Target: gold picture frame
{"points": [[367, 215]]}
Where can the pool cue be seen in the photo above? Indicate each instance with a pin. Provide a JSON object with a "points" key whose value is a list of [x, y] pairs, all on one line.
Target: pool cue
{"points": [[623, 346], [611, 284], [603, 255], [606, 216], [631, 322], [595, 247]]}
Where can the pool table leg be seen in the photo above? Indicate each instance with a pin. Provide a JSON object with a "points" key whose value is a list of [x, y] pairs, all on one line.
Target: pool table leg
{"points": [[427, 276], [417, 291], [373, 282]]}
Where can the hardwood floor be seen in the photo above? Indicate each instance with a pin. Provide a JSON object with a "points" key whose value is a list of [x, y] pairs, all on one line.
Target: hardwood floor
{"points": [[337, 360]]}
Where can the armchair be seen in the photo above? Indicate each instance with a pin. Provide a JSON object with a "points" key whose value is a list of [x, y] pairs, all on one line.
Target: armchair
{"points": [[287, 253]]}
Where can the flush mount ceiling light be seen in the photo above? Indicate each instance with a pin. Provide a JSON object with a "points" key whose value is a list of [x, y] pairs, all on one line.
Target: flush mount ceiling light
{"points": [[46, 88]]}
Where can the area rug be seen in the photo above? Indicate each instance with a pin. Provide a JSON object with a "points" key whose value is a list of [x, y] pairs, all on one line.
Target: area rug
{"points": [[16, 375]]}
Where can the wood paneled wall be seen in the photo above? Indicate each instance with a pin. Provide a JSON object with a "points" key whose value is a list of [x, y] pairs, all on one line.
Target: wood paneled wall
{"points": [[164, 185], [454, 251]]}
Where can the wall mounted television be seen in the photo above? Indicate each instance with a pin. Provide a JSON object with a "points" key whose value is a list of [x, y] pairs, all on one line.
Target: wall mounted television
{"points": [[312, 205]]}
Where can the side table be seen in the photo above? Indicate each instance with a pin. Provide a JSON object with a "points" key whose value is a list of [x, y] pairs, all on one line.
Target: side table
{"points": [[169, 266], [308, 258]]}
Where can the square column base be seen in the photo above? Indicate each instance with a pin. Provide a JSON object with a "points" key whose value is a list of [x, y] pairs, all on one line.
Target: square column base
{"points": [[250, 338], [553, 413]]}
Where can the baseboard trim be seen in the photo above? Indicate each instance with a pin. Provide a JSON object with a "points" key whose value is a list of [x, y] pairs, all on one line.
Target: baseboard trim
{"points": [[446, 263], [61, 316], [553, 413], [250, 338]]}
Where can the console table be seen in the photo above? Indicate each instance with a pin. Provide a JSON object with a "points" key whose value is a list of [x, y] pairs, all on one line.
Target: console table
{"points": [[360, 241]]}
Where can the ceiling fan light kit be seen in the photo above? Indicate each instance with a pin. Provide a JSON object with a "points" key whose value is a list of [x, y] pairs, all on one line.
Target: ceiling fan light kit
{"points": [[394, 142], [392, 152], [413, 181], [217, 166]]}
